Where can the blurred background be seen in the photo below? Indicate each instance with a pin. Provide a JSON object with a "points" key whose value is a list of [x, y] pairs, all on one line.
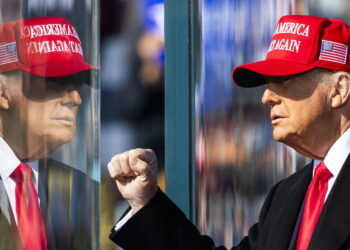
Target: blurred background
{"points": [[132, 92]]}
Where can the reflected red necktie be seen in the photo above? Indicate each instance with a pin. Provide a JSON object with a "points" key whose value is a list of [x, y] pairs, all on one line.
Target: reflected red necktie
{"points": [[30, 222], [314, 201]]}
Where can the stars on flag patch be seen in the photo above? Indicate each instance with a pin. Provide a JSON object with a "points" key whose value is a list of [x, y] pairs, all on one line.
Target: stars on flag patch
{"points": [[8, 53], [333, 52]]}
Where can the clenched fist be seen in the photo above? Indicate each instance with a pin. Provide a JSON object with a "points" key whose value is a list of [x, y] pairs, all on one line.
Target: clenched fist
{"points": [[135, 172]]}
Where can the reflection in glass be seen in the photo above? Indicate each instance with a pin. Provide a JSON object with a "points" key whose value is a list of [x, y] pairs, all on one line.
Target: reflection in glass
{"points": [[49, 121]]}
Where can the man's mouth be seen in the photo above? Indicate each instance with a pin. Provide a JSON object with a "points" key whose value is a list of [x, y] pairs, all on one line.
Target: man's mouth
{"points": [[69, 121], [276, 118]]}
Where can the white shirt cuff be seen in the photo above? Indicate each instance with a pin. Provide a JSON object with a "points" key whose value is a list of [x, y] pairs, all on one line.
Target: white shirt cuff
{"points": [[122, 222]]}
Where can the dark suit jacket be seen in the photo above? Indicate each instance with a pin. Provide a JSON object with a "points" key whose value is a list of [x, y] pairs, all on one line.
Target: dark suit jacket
{"points": [[160, 225], [65, 201]]}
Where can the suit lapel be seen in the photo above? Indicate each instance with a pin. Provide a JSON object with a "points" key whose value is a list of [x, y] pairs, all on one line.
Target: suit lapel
{"points": [[44, 206], [9, 237], [66, 205], [333, 226], [42, 188], [5, 206], [56, 184], [286, 217]]}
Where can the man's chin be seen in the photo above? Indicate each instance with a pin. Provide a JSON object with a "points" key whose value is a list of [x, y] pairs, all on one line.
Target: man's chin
{"points": [[60, 135], [285, 138], [54, 142], [278, 136]]}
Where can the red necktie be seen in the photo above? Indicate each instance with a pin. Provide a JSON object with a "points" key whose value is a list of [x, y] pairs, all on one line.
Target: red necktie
{"points": [[314, 200], [30, 222]]}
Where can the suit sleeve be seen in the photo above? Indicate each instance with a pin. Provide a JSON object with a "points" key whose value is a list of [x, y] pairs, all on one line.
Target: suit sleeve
{"points": [[161, 225]]}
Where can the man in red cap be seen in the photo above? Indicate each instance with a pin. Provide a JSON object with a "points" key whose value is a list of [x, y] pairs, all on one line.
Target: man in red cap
{"points": [[306, 72], [41, 71]]}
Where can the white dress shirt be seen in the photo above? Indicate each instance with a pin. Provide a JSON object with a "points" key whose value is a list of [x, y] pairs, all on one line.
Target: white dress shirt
{"points": [[8, 163], [335, 158]]}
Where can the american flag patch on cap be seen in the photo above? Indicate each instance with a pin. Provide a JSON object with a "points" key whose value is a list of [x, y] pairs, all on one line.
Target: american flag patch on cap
{"points": [[8, 53], [333, 52]]}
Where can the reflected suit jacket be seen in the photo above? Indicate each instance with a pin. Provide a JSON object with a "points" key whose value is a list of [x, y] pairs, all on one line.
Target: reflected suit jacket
{"points": [[160, 225], [64, 201]]}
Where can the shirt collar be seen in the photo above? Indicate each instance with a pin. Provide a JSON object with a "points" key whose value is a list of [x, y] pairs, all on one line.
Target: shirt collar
{"points": [[337, 154], [9, 161]]}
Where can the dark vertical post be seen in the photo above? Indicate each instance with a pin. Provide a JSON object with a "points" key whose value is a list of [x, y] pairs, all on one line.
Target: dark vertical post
{"points": [[179, 142]]}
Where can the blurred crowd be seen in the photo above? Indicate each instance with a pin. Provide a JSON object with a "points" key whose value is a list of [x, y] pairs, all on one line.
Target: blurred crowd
{"points": [[132, 96]]}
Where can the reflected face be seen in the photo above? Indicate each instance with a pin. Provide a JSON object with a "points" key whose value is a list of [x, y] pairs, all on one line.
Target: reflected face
{"points": [[41, 114], [299, 108]]}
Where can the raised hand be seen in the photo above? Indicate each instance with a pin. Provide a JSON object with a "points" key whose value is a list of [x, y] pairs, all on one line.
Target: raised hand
{"points": [[135, 172]]}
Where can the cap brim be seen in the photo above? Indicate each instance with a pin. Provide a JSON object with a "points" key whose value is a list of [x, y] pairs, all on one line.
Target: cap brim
{"points": [[58, 69], [252, 74], [83, 77], [78, 75]]}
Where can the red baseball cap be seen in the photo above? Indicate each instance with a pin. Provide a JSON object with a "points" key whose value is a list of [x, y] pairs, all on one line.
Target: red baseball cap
{"points": [[44, 46], [299, 44]]}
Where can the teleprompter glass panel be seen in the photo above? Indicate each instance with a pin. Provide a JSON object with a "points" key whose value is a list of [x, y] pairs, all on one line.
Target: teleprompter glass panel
{"points": [[49, 121]]}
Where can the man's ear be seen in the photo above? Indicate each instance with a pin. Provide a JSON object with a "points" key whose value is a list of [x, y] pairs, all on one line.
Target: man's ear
{"points": [[4, 96], [340, 93]]}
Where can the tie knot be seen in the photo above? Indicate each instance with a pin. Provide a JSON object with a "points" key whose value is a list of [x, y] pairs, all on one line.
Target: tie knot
{"points": [[22, 173], [321, 172]]}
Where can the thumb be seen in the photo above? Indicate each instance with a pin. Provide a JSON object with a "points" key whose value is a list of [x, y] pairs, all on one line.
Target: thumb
{"points": [[142, 160]]}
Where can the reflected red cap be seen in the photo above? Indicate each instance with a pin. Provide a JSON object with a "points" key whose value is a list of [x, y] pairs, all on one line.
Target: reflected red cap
{"points": [[45, 46], [299, 44]]}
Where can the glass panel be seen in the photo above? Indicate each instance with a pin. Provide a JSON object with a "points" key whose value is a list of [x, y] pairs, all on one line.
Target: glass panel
{"points": [[236, 158], [49, 113]]}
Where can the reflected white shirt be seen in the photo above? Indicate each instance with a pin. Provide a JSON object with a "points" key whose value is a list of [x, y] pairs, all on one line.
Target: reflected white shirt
{"points": [[8, 163]]}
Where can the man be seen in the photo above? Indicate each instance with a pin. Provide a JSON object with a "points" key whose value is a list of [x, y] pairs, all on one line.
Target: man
{"points": [[306, 72], [41, 71]]}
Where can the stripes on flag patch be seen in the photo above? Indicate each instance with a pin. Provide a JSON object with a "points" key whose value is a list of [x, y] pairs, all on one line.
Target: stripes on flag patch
{"points": [[8, 53], [333, 52]]}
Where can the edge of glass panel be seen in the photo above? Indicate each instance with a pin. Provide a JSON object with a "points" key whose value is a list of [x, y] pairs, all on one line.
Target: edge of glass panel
{"points": [[97, 98]]}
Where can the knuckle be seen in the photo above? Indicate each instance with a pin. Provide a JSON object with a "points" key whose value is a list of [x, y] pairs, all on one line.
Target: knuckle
{"points": [[151, 153], [149, 150], [123, 156], [133, 153], [111, 170], [115, 158]]}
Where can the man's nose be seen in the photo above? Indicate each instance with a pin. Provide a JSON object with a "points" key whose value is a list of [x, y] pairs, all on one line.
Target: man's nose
{"points": [[270, 97], [72, 98]]}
